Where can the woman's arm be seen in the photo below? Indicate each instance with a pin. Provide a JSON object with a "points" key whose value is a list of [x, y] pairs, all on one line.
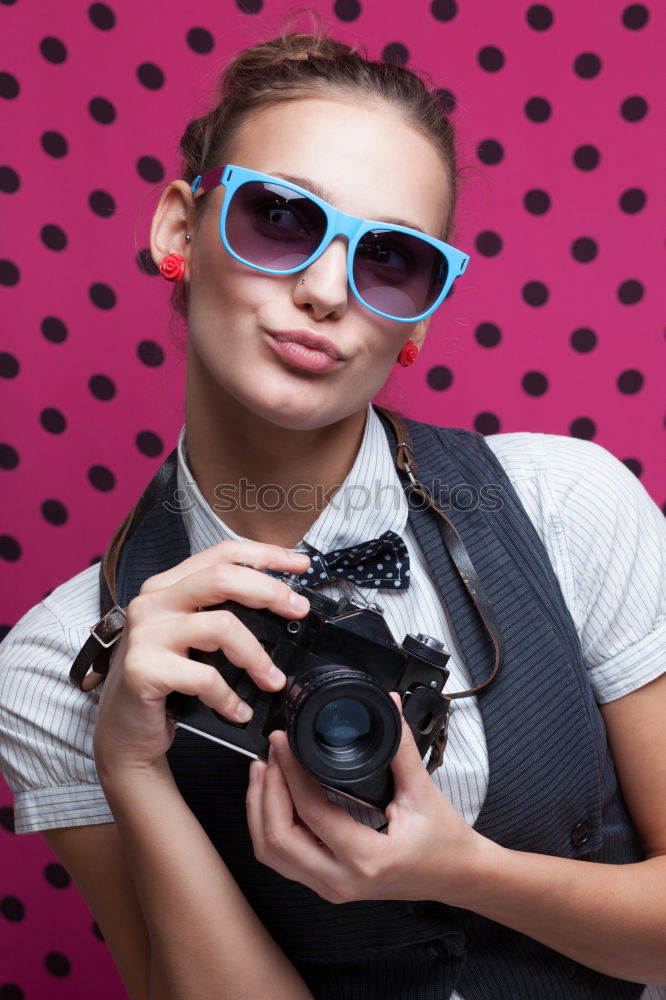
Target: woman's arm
{"points": [[611, 918], [202, 931]]}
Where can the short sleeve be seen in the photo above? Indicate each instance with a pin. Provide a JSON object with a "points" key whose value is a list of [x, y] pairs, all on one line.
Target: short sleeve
{"points": [[46, 723], [607, 541]]}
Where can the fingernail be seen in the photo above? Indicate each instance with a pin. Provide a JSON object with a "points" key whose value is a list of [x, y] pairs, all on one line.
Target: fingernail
{"points": [[256, 770], [271, 754], [298, 602], [243, 712], [275, 676]]}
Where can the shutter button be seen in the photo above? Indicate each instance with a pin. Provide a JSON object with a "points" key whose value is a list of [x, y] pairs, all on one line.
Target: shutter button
{"points": [[580, 834]]}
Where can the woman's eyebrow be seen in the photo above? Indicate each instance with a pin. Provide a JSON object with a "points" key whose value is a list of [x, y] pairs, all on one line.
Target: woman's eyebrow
{"points": [[317, 190]]}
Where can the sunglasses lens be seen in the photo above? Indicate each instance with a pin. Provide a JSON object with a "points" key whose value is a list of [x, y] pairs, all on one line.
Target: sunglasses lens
{"points": [[272, 226], [397, 273]]}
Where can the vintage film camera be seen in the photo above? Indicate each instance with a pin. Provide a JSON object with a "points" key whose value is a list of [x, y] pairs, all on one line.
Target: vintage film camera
{"points": [[341, 661]]}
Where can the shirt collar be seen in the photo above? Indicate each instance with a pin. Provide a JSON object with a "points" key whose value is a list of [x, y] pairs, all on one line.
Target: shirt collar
{"points": [[369, 502]]}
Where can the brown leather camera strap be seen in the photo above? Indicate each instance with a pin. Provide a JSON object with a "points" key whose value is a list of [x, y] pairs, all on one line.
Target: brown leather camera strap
{"points": [[406, 463]]}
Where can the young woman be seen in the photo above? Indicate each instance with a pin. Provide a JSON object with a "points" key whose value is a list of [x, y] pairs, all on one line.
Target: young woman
{"points": [[307, 239]]}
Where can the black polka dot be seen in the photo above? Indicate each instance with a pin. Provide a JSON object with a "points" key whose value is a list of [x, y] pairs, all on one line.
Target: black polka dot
{"points": [[488, 334], [4, 632], [9, 273], [94, 560], [534, 383], [7, 818], [102, 387], [583, 340], [149, 443], [586, 157], [53, 237], [10, 991], [9, 86], [635, 16], [395, 52], [584, 249], [150, 75], [630, 292], [102, 16], [539, 17], [10, 548], [486, 423], [53, 50], [102, 110], [101, 478], [634, 109], [147, 265], [535, 293], [347, 10], [200, 41], [102, 296], [488, 243], [54, 329], [439, 377], [9, 180], [250, 6], [57, 876], [150, 169], [54, 144], [57, 964], [9, 458], [150, 353], [97, 931], [444, 10], [583, 428], [634, 465], [12, 908], [101, 203], [53, 420], [633, 200], [536, 201], [9, 366], [630, 381], [587, 65], [447, 100], [490, 151], [490, 58], [538, 109], [54, 512]]}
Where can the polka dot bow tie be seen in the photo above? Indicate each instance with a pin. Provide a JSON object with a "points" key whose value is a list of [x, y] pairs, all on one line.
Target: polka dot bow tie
{"points": [[381, 562]]}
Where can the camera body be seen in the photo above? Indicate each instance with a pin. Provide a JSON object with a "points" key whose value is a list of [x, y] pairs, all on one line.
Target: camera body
{"points": [[341, 661]]}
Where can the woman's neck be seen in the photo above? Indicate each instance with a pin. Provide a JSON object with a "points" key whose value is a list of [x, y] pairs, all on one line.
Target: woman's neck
{"points": [[268, 483]]}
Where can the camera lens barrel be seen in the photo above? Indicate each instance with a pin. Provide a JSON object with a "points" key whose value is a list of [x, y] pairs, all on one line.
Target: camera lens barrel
{"points": [[342, 724]]}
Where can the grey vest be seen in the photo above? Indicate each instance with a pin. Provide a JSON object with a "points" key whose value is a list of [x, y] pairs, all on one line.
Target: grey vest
{"points": [[552, 786]]}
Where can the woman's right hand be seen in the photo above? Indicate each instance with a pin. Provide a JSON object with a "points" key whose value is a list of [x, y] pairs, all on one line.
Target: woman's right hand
{"points": [[163, 623]]}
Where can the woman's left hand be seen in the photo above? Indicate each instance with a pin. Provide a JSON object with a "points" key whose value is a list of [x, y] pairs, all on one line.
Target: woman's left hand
{"points": [[427, 852]]}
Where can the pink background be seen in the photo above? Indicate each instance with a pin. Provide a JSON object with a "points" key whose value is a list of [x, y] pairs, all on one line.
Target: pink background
{"points": [[56, 430]]}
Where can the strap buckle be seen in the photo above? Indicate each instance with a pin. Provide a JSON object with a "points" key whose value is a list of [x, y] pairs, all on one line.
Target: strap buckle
{"points": [[111, 627]]}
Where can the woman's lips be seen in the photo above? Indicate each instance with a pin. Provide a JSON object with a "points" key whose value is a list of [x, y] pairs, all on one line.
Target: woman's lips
{"points": [[305, 351]]}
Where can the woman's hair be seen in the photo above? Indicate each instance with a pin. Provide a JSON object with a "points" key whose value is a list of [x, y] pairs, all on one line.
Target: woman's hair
{"points": [[296, 65]]}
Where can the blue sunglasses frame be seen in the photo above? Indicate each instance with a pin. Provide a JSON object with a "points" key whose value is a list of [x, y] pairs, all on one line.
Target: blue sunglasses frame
{"points": [[338, 223]]}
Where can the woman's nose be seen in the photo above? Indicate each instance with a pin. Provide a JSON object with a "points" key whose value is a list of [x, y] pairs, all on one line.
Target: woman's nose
{"points": [[323, 285]]}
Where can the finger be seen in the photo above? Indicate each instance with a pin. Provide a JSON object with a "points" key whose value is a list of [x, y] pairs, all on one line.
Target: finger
{"points": [[215, 583], [259, 555], [407, 765], [328, 821], [221, 630], [152, 679]]}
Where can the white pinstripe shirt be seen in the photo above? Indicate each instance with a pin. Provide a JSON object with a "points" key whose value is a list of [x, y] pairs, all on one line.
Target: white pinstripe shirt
{"points": [[604, 535]]}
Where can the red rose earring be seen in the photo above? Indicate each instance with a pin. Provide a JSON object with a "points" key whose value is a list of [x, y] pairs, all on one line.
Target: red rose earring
{"points": [[408, 354], [172, 267]]}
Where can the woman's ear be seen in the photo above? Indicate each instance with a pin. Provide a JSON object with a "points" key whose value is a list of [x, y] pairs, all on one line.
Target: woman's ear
{"points": [[172, 220], [419, 332]]}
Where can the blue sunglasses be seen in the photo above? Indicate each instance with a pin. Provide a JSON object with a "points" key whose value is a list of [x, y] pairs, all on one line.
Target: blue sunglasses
{"points": [[277, 227]]}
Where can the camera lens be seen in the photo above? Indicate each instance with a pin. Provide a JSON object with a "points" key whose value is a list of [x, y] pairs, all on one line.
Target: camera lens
{"points": [[343, 724]]}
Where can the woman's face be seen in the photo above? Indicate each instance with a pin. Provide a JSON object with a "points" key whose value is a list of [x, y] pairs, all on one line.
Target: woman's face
{"points": [[367, 162]]}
